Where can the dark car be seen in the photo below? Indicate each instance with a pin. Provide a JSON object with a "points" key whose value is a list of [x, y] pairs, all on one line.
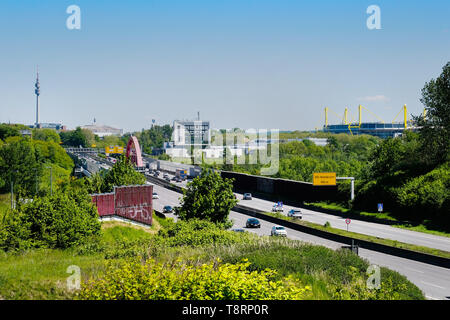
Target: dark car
{"points": [[253, 223], [167, 209]]}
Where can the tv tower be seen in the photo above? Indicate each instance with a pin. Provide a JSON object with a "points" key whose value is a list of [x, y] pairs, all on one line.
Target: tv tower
{"points": [[37, 91]]}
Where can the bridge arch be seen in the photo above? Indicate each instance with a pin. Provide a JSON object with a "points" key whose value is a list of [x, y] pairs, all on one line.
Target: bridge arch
{"points": [[134, 152]]}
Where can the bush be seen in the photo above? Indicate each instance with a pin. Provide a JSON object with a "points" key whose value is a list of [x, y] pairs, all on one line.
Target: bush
{"points": [[180, 281], [197, 232], [58, 221], [427, 196]]}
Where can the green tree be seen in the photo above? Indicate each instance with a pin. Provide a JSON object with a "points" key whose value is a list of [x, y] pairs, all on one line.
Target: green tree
{"points": [[122, 174], [435, 126], [19, 165], [46, 135], [207, 197], [58, 221], [77, 137]]}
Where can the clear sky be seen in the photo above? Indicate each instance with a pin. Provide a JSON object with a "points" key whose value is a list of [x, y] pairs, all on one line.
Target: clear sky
{"points": [[241, 63]]}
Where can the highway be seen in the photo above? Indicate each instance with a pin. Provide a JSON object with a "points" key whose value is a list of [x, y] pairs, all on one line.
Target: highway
{"points": [[358, 226], [432, 280]]}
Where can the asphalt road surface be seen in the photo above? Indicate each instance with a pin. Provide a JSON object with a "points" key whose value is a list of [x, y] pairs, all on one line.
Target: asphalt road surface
{"points": [[358, 226], [432, 280]]}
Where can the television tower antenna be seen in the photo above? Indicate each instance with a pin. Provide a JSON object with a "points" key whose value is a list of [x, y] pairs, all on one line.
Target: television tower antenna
{"points": [[37, 91]]}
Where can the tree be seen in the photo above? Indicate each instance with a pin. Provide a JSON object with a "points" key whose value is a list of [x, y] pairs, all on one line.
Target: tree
{"points": [[19, 165], [435, 126], [46, 135], [122, 174], [77, 137], [207, 197], [59, 221]]}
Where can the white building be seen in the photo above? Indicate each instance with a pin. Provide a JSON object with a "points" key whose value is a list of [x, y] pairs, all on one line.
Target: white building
{"points": [[102, 131], [191, 133]]}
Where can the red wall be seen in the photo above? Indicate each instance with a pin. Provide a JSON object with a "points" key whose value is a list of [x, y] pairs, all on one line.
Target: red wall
{"points": [[130, 202]]}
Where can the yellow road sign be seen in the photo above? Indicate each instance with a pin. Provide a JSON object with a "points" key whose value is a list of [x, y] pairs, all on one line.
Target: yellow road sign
{"points": [[324, 178], [114, 149]]}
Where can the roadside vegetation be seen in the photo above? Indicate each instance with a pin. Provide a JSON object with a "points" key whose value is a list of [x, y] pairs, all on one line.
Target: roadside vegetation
{"points": [[359, 236], [214, 263], [194, 258]]}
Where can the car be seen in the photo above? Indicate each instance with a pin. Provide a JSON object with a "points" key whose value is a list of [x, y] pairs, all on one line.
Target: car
{"points": [[278, 231], [277, 208], [295, 213], [178, 179], [167, 178], [252, 223], [155, 195], [167, 209], [247, 196], [174, 178]]}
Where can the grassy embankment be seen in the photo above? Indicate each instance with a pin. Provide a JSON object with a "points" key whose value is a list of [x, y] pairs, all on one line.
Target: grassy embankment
{"points": [[41, 273]]}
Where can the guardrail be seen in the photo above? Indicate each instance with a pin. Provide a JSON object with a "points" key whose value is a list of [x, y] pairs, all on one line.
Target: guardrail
{"points": [[398, 252]]}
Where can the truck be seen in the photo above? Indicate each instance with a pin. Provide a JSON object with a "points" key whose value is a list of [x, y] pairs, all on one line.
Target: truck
{"points": [[182, 173]]}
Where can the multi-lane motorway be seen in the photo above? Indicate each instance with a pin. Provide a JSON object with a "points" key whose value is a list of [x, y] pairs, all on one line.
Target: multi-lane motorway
{"points": [[358, 226], [432, 280]]}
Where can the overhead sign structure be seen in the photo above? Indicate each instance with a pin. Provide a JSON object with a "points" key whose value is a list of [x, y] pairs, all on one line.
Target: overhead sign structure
{"points": [[324, 178], [114, 150]]}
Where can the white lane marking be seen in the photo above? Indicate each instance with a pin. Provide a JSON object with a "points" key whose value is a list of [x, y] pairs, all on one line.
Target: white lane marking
{"points": [[414, 270], [431, 284], [431, 298]]}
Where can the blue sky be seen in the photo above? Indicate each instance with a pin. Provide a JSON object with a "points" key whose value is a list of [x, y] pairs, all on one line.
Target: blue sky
{"points": [[241, 63]]}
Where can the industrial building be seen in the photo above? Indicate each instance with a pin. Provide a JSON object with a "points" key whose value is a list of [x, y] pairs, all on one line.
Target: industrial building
{"points": [[102, 131]]}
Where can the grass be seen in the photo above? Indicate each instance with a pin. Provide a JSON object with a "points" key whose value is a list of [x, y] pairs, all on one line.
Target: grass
{"points": [[116, 230], [379, 216], [360, 236], [42, 273]]}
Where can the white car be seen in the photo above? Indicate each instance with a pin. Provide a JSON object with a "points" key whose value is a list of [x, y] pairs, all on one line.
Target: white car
{"points": [[295, 213], [277, 208], [278, 231], [155, 195]]}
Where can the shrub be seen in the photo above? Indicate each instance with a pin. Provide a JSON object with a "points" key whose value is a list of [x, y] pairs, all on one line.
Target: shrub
{"points": [[58, 221], [197, 232], [180, 281]]}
